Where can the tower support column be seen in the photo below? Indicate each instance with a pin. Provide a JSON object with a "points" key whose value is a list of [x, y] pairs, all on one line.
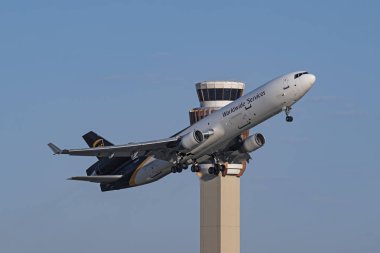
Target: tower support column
{"points": [[220, 215], [219, 195]]}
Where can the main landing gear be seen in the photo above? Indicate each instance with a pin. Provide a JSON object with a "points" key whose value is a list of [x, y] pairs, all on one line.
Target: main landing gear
{"points": [[178, 168], [217, 168], [213, 170], [287, 111], [195, 167]]}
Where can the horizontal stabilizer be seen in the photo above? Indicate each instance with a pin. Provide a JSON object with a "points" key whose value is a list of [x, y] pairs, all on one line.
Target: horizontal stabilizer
{"points": [[98, 179], [56, 150]]}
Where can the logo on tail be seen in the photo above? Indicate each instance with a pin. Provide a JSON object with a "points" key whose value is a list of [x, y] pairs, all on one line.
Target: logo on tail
{"points": [[98, 143]]}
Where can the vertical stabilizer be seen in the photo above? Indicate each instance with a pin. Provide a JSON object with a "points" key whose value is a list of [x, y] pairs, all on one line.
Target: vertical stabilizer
{"points": [[94, 140]]}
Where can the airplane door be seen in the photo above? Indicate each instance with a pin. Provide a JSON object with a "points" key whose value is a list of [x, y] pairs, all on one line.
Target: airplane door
{"points": [[286, 85], [289, 89], [285, 90], [295, 89]]}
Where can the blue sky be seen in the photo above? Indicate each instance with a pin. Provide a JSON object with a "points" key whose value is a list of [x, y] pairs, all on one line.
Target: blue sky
{"points": [[126, 69]]}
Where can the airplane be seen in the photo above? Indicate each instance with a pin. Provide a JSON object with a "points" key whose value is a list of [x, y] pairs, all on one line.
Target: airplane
{"points": [[215, 139]]}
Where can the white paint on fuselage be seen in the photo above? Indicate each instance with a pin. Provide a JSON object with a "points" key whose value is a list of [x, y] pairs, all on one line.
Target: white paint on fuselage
{"points": [[279, 93]]}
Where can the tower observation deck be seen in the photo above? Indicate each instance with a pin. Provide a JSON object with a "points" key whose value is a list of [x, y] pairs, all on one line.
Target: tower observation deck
{"points": [[213, 95]]}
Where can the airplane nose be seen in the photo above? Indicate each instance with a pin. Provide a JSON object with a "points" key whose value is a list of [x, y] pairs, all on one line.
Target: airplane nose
{"points": [[311, 79]]}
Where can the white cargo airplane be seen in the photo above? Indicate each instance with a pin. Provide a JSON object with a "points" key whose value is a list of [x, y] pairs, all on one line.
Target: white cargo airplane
{"points": [[215, 139]]}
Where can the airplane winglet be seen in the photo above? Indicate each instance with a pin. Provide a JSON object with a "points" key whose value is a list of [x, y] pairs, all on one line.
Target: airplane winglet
{"points": [[56, 150]]}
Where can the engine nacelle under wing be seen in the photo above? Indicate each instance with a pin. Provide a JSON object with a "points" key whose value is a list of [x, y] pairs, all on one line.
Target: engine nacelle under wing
{"points": [[191, 140], [253, 143]]}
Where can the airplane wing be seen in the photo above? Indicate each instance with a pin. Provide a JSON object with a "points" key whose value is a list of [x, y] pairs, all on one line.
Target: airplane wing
{"points": [[127, 150], [97, 179]]}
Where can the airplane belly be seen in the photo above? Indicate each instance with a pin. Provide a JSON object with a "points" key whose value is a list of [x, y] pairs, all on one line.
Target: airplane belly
{"points": [[152, 170]]}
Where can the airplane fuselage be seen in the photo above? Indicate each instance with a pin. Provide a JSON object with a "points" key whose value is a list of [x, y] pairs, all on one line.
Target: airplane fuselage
{"points": [[226, 123]]}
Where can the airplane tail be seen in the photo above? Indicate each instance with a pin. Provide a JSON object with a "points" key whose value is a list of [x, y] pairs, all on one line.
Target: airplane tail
{"points": [[94, 140]]}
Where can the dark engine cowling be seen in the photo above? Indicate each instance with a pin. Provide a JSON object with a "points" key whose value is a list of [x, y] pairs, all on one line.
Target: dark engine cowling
{"points": [[191, 140], [253, 143]]}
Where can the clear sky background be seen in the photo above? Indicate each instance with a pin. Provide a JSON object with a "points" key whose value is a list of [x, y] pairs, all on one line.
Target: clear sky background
{"points": [[126, 69]]}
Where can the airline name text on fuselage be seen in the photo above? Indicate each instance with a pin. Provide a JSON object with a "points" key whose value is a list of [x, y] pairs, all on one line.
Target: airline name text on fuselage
{"points": [[248, 102]]}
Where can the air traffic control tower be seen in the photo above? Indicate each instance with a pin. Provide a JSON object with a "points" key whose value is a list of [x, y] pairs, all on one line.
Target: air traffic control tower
{"points": [[220, 194]]}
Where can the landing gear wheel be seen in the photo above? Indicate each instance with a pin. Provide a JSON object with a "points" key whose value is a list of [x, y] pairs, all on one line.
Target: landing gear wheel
{"points": [[287, 111], [195, 168], [222, 168], [289, 118], [217, 169], [178, 168], [211, 170]]}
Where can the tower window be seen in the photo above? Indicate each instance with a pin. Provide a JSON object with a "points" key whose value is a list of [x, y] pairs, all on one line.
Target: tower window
{"points": [[200, 95], [227, 94], [212, 94], [234, 94], [219, 94], [205, 95]]}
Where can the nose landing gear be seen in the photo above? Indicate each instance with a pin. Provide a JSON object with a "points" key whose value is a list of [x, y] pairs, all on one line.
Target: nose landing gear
{"points": [[287, 112]]}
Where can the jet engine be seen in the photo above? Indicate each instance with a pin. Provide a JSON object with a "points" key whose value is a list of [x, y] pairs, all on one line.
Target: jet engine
{"points": [[253, 143], [190, 140]]}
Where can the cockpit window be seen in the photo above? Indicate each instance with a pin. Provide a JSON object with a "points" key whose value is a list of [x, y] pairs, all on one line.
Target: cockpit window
{"points": [[300, 74]]}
